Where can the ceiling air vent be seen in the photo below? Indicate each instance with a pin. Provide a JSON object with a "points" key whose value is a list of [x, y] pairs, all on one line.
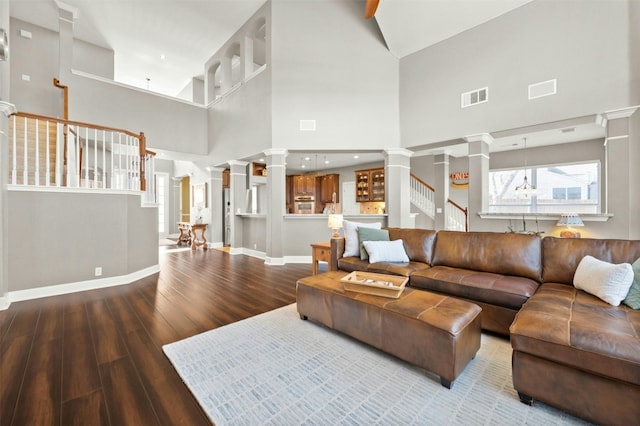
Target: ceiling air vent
{"points": [[544, 88], [474, 97]]}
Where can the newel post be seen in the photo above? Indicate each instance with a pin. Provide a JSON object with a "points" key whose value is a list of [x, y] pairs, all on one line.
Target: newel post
{"points": [[143, 153]]}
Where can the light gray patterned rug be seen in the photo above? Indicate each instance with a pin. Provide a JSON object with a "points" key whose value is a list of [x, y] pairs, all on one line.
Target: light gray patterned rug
{"points": [[276, 369]]}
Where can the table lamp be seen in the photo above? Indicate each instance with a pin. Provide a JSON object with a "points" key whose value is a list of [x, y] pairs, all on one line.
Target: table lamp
{"points": [[335, 223], [569, 220]]}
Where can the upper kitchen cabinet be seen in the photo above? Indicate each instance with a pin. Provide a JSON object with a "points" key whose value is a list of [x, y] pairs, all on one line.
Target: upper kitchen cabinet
{"points": [[304, 185], [370, 185]]}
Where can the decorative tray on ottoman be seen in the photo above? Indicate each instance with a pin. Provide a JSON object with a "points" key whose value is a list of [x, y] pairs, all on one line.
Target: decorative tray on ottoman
{"points": [[376, 284]]}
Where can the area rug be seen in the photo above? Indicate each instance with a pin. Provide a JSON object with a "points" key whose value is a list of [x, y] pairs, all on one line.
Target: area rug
{"points": [[276, 369]]}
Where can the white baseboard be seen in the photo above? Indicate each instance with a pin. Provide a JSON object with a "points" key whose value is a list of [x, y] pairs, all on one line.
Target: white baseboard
{"points": [[4, 303], [56, 290], [297, 259], [274, 261]]}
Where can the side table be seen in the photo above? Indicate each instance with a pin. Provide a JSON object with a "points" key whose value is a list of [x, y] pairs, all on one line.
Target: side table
{"points": [[320, 252]]}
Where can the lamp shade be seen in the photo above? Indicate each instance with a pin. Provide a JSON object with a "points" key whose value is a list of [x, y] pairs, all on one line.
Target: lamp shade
{"points": [[570, 219], [335, 221]]}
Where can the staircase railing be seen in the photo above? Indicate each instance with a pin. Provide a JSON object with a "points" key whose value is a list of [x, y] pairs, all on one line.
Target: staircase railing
{"points": [[422, 196], [53, 152], [456, 217]]}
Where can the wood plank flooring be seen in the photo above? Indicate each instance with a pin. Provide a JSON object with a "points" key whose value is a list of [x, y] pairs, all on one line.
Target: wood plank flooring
{"points": [[95, 357]]}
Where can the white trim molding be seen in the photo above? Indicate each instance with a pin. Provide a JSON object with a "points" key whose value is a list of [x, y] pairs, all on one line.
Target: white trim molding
{"points": [[479, 137], [56, 290]]}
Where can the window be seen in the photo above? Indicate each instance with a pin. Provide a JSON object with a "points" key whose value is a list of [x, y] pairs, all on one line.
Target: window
{"points": [[561, 188]]}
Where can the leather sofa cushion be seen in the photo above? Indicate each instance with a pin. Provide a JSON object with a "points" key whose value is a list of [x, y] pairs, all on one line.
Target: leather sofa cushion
{"points": [[351, 264], [418, 243], [561, 256], [572, 327], [506, 254], [496, 289]]}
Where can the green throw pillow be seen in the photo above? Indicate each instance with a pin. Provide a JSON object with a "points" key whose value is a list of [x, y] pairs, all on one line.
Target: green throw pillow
{"points": [[633, 297], [370, 234]]}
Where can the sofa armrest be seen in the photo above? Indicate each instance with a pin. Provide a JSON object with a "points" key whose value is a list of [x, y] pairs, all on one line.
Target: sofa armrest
{"points": [[337, 250]]}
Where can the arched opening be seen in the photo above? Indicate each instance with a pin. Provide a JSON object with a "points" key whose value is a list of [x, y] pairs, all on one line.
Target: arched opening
{"points": [[214, 82], [259, 44], [233, 55]]}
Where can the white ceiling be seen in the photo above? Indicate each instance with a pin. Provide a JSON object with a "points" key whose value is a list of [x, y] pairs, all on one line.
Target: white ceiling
{"points": [[188, 32]]}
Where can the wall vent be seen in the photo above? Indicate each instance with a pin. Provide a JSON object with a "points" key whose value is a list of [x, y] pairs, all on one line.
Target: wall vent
{"points": [[544, 88], [307, 125], [474, 97]]}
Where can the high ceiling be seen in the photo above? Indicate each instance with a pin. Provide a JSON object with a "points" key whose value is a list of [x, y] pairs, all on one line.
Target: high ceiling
{"points": [[169, 41]]}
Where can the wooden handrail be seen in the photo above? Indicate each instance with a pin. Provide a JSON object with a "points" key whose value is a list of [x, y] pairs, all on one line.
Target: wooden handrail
{"points": [[465, 210], [75, 123], [423, 182]]}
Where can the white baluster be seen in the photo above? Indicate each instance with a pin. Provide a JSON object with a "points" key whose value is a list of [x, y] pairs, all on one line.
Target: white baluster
{"points": [[36, 174], [25, 175], [47, 157], [14, 161]]}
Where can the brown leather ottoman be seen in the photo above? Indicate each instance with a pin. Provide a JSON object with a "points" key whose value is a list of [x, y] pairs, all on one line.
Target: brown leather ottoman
{"points": [[438, 333]]}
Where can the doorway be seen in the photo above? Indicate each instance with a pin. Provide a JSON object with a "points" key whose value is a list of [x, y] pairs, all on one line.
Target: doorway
{"points": [[185, 199]]}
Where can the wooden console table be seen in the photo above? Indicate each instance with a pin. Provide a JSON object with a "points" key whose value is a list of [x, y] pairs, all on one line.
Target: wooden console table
{"points": [[192, 233]]}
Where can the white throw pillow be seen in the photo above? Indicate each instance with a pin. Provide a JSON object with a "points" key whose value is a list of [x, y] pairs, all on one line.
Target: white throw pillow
{"points": [[609, 282], [351, 242], [386, 251]]}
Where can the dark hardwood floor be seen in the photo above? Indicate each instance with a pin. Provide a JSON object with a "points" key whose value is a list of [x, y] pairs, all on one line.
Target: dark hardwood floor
{"points": [[95, 357]]}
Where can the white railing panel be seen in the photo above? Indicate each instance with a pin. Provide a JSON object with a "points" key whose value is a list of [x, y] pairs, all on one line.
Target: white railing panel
{"points": [[456, 219], [96, 158], [422, 197]]}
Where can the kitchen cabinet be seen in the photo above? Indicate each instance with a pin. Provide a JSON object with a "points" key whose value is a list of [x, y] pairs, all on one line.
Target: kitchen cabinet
{"points": [[304, 185], [326, 186], [370, 185]]}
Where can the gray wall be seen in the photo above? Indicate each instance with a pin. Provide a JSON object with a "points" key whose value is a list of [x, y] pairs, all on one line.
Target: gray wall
{"points": [[240, 122], [330, 65], [585, 45], [168, 124], [38, 58], [63, 236]]}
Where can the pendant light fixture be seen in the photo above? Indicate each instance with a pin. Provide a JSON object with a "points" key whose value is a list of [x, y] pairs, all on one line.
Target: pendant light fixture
{"points": [[525, 188]]}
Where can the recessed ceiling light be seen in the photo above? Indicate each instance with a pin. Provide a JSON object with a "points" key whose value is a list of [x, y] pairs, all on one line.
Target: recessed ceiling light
{"points": [[307, 158], [302, 166], [162, 57], [326, 161], [261, 159], [356, 156]]}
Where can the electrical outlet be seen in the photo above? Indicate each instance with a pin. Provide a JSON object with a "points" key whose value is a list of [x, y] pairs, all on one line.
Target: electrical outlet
{"points": [[98, 271]]}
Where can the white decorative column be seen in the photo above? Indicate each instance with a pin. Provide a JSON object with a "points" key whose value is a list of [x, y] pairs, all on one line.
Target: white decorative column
{"points": [[276, 199], [216, 209], [397, 178], [478, 177], [6, 109], [67, 14], [622, 151], [237, 195], [441, 186]]}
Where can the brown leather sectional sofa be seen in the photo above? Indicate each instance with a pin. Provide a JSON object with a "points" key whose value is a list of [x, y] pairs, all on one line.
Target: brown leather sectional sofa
{"points": [[570, 349]]}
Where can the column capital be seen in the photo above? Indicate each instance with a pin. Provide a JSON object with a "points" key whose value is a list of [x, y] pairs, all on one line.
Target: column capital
{"points": [[237, 163], [615, 114], [398, 151], [479, 137], [214, 169], [275, 151], [71, 10], [7, 108]]}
